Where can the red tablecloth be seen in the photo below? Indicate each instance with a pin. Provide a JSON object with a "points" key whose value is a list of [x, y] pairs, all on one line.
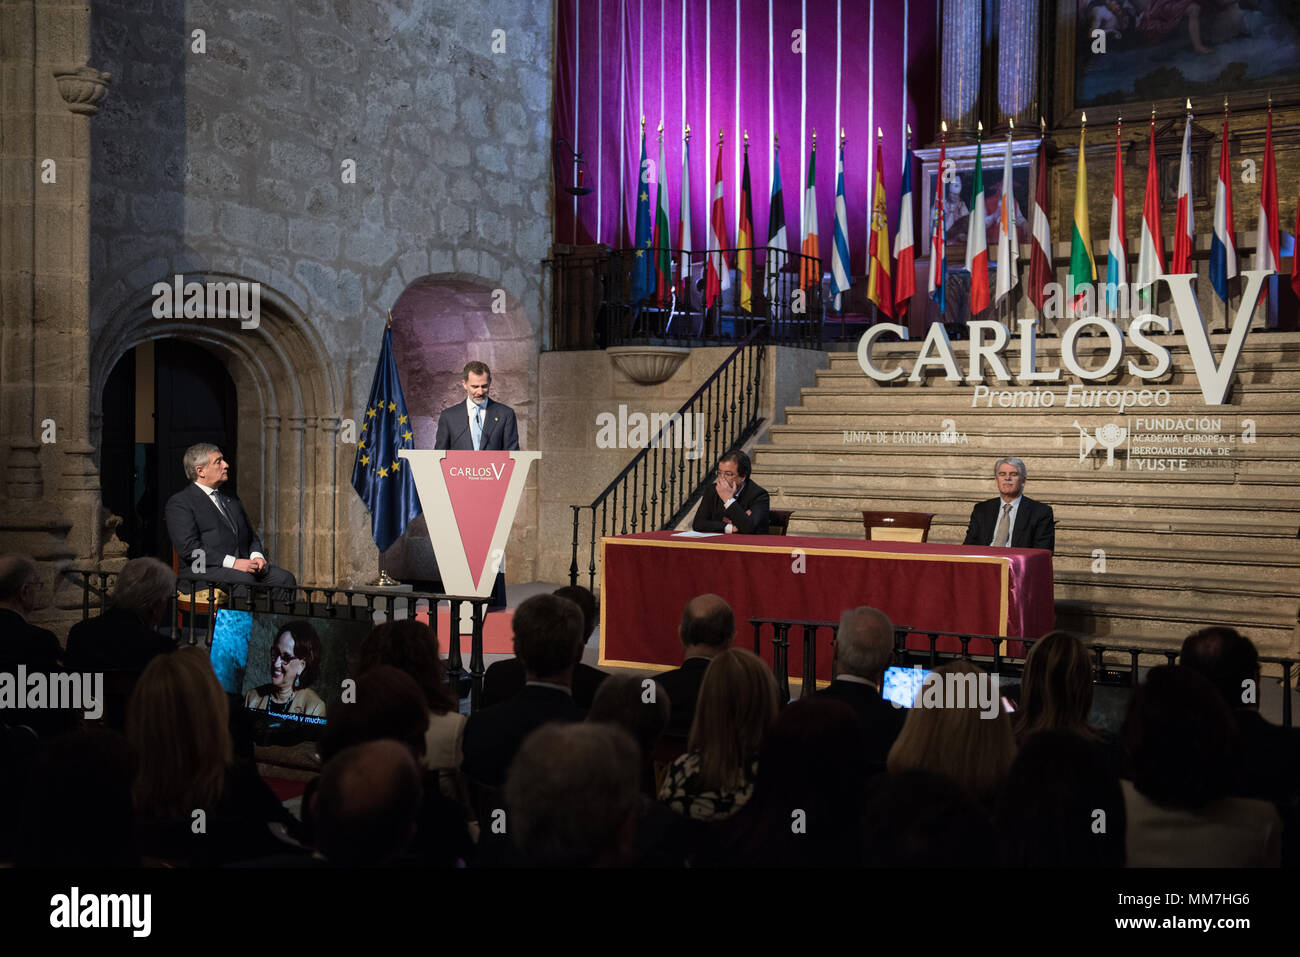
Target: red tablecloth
{"points": [[647, 578]]}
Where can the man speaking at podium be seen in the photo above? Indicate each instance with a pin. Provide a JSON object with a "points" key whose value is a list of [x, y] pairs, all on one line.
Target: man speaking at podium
{"points": [[478, 423]]}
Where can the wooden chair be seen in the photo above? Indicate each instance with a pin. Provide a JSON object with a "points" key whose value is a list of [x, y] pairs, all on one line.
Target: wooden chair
{"points": [[778, 520], [202, 601], [896, 526]]}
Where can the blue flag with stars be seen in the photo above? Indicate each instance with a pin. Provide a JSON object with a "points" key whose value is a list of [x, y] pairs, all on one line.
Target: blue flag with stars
{"points": [[643, 265], [382, 479]]}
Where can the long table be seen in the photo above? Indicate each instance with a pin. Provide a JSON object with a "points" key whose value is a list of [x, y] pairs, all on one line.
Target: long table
{"points": [[963, 589]]}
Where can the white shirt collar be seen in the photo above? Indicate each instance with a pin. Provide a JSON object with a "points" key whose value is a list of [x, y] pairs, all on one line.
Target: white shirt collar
{"points": [[547, 684], [470, 407], [211, 491]]}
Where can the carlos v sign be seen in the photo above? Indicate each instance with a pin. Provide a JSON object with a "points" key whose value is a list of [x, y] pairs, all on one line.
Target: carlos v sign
{"points": [[988, 340]]}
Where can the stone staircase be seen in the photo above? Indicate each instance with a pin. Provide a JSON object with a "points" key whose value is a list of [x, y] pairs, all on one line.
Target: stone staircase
{"points": [[1142, 556]]}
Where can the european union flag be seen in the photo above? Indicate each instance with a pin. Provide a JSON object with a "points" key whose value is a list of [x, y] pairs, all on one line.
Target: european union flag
{"points": [[382, 479]]}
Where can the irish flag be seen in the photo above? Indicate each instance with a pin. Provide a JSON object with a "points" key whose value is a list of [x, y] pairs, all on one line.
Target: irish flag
{"points": [[810, 267], [977, 252], [1083, 268]]}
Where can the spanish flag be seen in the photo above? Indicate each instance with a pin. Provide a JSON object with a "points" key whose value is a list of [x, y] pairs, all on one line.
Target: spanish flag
{"points": [[879, 288]]}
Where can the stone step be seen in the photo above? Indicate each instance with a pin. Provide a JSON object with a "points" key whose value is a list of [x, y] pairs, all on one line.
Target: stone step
{"points": [[849, 394], [1144, 623]]}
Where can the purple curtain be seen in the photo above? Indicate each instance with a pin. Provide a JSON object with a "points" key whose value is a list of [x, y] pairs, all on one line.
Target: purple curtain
{"points": [[618, 59]]}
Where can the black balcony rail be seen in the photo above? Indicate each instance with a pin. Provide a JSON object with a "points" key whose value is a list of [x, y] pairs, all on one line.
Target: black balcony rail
{"points": [[593, 305], [1104, 671], [665, 479], [374, 605]]}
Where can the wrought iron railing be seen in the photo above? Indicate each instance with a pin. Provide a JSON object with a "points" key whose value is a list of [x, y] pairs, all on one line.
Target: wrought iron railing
{"points": [[191, 619], [599, 300], [1106, 669], [665, 479]]}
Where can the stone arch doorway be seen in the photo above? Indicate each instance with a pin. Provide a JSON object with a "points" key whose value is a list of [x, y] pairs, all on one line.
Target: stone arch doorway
{"points": [[290, 464]]}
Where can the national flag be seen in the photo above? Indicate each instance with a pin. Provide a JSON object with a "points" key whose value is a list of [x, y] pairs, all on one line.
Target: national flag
{"points": [[840, 278], [810, 267], [1040, 242], [977, 252], [1151, 247], [745, 242], [778, 245], [684, 222], [1223, 247], [643, 267], [381, 478], [663, 253], [937, 280], [1008, 275], [1267, 252], [904, 245], [1117, 246], [1181, 261], [717, 276], [879, 288], [1083, 268]]}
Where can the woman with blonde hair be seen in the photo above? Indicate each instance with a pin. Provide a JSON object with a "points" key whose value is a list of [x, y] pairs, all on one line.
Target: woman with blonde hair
{"points": [[1056, 688], [736, 706], [950, 731], [177, 722]]}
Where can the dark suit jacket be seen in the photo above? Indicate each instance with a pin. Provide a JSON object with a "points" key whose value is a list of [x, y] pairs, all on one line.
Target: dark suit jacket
{"points": [[683, 687], [115, 641], [22, 643], [500, 431], [748, 513], [1035, 525], [505, 679], [880, 720], [493, 735], [194, 522]]}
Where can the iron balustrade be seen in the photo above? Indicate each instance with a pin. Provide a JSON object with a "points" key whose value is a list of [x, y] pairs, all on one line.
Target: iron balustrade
{"points": [[594, 305], [662, 483], [343, 604], [1101, 674]]}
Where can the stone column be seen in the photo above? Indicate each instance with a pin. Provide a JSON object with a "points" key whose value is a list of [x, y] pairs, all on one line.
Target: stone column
{"points": [[1017, 74], [959, 65]]}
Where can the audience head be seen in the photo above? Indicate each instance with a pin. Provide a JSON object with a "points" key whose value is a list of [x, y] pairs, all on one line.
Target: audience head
{"points": [[586, 602], [1181, 739], [573, 791], [736, 706], [410, 646], [1228, 660], [20, 581], [388, 704], [708, 625], [1056, 689], [621, 700], [864, 643], [1048, 811], [963, 737], [367, 804], [144, 587], [177, 721], [548, 637], [921, 819], [78, 803]]}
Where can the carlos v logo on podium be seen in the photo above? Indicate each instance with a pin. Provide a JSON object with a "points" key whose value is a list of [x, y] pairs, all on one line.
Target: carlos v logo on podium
{"points": [[469, 500]]}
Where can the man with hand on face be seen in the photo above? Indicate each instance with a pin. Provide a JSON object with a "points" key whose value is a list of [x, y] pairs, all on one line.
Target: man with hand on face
{"points": [[1012, 520], [201, 517], [734, 504], [478, 423]]}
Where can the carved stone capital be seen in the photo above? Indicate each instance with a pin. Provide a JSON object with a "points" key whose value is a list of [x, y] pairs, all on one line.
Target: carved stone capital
{"points": [[82, 88]]}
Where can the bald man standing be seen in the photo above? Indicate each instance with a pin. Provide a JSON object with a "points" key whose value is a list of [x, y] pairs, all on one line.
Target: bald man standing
{"points": [[708, 629]]}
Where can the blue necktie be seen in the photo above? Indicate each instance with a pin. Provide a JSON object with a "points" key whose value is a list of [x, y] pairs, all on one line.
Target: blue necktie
{"points": [[478, 427]]}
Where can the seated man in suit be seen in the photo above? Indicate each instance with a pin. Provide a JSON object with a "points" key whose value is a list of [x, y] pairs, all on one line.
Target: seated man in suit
{"points": [[125, 636], [864, 647], [202, 518], [1012, 519], [22, 643], [548, 632], [505, 679], [478, 422], [733, 503], [708, 629]]}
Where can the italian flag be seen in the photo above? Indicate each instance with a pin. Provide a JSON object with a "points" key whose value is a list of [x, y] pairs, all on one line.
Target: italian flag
{"points": [[977, 251]]}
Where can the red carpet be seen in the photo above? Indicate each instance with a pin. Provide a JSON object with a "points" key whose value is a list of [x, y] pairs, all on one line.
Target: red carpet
{"points": [[497, 632]]}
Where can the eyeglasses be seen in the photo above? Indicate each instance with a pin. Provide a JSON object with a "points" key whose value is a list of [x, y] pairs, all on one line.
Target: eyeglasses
{"points": [[283, 656]]}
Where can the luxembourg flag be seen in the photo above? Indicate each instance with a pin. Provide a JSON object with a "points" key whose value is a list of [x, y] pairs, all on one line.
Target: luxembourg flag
{"points": [[904, 245], [1182, 258], [938, 277], [1267, 254], [1223, 252], [1117, 248]]}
